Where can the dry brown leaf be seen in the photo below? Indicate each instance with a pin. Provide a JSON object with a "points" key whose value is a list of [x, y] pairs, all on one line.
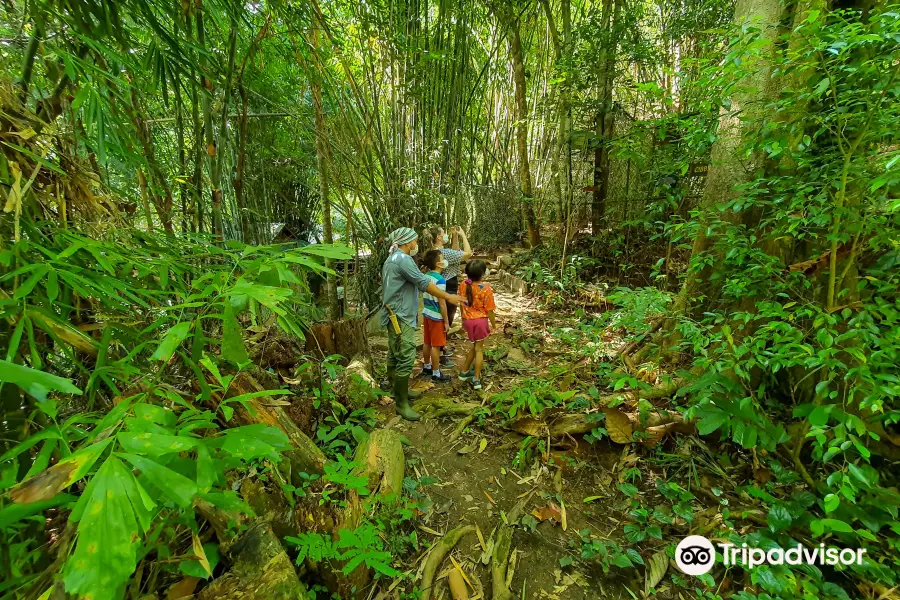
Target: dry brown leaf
{"points": [[551, 511], [183, 588], [618, 425], [421, 386], [655, 571]]}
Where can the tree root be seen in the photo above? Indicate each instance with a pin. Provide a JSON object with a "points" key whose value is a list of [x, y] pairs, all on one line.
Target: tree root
{"points": [[460, 427], [437, 555], [435, 407], [500, 556]]}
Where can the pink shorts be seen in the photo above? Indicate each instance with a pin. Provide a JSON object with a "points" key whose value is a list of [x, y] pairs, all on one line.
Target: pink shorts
{"points": [[477, 329]]}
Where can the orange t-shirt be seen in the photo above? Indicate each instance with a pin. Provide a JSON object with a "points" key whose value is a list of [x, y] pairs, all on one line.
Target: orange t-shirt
{"points": [[482, 300]]}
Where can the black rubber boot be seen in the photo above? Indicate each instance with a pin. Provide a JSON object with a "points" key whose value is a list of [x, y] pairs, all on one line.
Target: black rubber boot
{"points": [[401, 399]]}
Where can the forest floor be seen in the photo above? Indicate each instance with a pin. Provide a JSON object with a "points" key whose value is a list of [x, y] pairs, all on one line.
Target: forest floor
{"points": [[487, 469]]}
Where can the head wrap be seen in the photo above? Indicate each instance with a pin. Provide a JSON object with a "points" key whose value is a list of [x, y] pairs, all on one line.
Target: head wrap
{"points": [[402, 236]]}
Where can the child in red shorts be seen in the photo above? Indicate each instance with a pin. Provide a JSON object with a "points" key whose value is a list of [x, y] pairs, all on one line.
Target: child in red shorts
{"points": [[476, 315], [435, 321]]}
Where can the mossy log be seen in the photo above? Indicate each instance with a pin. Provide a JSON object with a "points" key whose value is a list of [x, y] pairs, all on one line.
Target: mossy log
{"points": [[357, 384], [260, 569], [305, 457], [435, 407]]}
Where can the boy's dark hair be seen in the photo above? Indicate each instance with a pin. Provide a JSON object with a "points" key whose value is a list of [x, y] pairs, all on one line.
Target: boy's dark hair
{"points": [[432, 258], [475, 269]]}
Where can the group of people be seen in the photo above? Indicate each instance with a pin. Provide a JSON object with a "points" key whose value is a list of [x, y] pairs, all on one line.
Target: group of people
{"points": [[403, 280]]}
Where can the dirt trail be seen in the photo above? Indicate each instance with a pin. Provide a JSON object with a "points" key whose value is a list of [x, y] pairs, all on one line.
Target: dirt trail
{"points": [[477, 479]]}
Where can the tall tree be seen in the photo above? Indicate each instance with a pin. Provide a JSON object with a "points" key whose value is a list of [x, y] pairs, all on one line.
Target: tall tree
{"points": [[606, 117], [517, 61], [322, 162]]}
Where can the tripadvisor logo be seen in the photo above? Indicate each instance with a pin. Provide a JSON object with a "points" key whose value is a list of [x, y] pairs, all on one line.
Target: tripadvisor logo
{"points": [[695, 555]]}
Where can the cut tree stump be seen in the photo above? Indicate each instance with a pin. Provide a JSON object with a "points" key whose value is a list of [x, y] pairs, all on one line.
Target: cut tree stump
{"points": [[346, 337]]}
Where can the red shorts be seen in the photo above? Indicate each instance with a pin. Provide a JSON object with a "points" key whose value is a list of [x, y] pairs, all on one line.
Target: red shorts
{"points": [[434, 333], [478, 329]]}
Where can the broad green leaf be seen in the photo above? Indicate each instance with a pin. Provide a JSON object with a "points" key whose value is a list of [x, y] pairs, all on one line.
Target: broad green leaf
{"points": [[253, 441], [832, 501], [206, 470], [49, 483], [233, 349], [712, 422], [153, 444], [28, 443], [155, 414], [111, 514], [193, 568], [778, 518], [174, 485], [173, 338], [36, 383], [819, 526]]}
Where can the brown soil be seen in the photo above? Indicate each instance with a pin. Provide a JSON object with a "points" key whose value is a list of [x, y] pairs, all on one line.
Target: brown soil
{"points": [[476, 480]]}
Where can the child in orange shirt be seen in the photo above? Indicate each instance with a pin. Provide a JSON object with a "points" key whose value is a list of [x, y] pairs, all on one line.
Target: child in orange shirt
{"points": [[479, 310]]}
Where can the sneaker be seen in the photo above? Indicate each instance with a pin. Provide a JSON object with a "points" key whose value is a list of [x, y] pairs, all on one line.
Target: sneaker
{"points": [[476, 384], [446, 362], [442, 378], [467, 375], [426, 373]]}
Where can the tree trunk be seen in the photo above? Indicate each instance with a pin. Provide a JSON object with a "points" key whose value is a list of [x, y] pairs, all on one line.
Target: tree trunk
{"points": [[728, 166], [518, 66], [238, 181], [334, 309], [606, 117]]}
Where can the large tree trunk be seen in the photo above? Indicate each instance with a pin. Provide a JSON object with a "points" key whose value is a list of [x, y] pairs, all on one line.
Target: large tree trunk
{"points": [[518, 66], [728, 165]]}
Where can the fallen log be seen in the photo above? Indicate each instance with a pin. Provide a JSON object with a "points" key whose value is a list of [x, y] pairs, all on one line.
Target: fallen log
{"points": [[619, 425], [435, 407], [260, 570], [305, 457]]}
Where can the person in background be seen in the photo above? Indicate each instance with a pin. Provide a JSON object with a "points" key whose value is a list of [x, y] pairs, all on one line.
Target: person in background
{"points": [[453, 256], [476, 312], [435, 322], [401, 283]]}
